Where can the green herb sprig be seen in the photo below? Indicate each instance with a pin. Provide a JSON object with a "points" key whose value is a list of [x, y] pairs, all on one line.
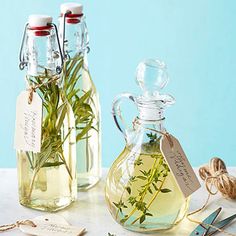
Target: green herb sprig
{"points": [[55, 112], [81, 101], [153, 180]]}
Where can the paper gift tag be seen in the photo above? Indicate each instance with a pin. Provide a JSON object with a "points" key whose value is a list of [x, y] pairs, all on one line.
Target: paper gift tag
{"points": [[179, 165], [28, 125], [51, 225]]}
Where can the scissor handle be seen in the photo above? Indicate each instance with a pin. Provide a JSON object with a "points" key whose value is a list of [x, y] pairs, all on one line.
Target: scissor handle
{"points": [[221, 224], [204, 227]]}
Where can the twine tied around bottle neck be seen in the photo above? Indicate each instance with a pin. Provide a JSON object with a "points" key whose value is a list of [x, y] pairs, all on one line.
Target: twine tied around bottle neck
{"points": [[163, 133], [215, 173], [32, 88], [4, 228]]}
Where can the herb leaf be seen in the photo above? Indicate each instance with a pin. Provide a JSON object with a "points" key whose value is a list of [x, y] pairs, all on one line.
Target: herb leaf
{"points": [[165, 190]]}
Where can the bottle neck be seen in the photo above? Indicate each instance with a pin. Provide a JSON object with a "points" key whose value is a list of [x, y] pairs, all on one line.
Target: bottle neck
{"points": [[155, 126], [150, 114], [75, 34], [41, 52], [146, 132], [150, 110]]}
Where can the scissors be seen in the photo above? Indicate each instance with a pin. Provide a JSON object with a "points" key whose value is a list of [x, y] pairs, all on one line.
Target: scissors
{"points": [[205, 229]]}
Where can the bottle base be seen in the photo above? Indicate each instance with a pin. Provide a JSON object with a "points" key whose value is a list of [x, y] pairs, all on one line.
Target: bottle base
{"points": [[48, 206], [86, 183], [159, 227], [148, 230]]}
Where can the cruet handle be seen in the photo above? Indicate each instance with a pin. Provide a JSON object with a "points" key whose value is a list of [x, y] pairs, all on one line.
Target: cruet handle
{"points": [[118, 118]]}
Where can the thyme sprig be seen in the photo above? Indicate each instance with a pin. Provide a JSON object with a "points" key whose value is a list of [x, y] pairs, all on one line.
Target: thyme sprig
{"points": [[152, 180]]}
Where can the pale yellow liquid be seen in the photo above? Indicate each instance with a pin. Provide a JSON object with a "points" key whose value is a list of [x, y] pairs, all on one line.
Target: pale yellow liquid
{"points": [[167, 209], [50, 188], [88, 149]]}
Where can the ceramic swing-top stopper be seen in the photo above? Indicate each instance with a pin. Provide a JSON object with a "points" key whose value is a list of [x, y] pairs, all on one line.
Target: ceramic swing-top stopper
{"points": [[151, 76]]}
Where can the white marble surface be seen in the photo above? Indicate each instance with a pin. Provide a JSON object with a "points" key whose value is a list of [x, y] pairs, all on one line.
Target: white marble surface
{"points": [[90, 210]]}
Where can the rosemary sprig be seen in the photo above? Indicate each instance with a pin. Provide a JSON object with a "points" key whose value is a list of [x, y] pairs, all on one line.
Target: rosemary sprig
{"points": [[80, 100], [55, 112]]}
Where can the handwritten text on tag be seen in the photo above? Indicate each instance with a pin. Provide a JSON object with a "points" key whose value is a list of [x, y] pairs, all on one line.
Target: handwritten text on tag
{"points": [[28, 123], [179, 165]]}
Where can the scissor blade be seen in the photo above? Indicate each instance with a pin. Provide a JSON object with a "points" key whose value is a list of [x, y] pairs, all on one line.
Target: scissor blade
{"points": [[203, 228], [221, 224]]}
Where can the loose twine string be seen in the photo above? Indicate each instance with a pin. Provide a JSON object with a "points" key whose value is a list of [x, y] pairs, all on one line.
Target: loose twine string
{"points": [[216, 174], [4, 228]]}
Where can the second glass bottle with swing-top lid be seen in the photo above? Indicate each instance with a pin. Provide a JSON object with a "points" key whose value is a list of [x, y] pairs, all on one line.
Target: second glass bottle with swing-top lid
{"points": [[81, 94], [141, 191]]}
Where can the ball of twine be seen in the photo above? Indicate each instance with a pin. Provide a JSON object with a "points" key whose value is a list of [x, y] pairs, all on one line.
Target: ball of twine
{"points": [[215, 173]]}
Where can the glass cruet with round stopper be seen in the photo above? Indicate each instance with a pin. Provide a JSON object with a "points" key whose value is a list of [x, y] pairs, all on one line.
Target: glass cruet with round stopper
{"points": [[141, 192]]}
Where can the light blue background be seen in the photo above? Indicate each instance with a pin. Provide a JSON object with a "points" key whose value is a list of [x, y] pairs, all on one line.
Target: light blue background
{"points": [[196, 39]]}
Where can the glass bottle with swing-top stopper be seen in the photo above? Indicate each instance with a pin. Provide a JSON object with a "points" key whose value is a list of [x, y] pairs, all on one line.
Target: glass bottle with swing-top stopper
{"points": [[47, 177], [81, 93]]}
